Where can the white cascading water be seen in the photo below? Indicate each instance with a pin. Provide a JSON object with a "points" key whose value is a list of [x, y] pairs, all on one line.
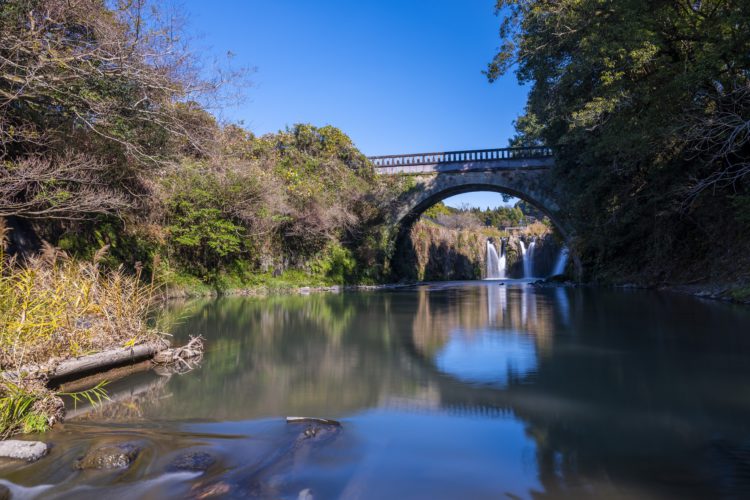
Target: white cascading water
{"points": [[562, 259], [493, 262], [503, 260], [528, 259]]}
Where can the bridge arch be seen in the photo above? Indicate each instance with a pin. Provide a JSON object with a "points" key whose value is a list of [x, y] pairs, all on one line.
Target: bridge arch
{"points": [[409, 213], [520, 172]]}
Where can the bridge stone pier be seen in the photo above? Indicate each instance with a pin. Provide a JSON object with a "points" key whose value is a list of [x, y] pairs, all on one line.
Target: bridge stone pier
{"points": [[520, 172]]}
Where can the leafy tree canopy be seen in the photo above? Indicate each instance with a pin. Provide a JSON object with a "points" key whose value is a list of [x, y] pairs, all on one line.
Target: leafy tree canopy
{"points": [[648, 104]]}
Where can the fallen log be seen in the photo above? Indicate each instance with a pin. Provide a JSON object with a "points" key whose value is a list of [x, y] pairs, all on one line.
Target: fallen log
{"points": [[77, 367]]}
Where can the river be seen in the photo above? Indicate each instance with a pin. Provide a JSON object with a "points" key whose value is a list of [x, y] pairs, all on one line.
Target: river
{"points": [[450, 390]]}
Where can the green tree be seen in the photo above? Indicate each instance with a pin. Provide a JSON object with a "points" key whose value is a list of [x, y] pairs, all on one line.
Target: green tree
{"points": [[437, 210], [648, 105], [201, 231]]}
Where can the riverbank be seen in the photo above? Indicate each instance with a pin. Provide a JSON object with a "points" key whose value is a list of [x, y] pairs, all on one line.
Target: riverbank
{"points": [[62, 318], [270, 290], [736, 293], [31, 398]]}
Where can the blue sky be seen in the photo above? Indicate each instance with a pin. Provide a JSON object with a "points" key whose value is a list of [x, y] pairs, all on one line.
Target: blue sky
{"points": [[397, 76]]}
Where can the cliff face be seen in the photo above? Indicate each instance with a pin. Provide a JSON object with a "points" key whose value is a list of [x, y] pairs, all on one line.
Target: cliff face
{"points": [[442, 253], [449, 254]]}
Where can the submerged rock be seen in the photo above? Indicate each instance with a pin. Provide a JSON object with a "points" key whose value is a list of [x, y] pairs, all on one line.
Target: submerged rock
{"points": [[112, 456], [306, 434], [30, 451], [317, 430], [192, 461]]}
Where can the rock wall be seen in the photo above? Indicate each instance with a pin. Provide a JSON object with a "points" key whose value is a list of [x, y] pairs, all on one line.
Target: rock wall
{"points": [[442, 253], [449, 254]]}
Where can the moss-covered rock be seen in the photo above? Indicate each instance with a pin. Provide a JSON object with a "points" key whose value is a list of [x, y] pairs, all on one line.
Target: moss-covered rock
{"points": [[111, 456]]}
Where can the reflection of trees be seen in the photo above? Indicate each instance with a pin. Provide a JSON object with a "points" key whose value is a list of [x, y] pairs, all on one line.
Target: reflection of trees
{"points": [[313, 355], [479, 308]]}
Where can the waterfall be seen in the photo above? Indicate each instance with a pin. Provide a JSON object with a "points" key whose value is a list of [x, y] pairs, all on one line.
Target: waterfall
{"points": [[562, 259], [493, 262], [528, 259], [502, 264]]}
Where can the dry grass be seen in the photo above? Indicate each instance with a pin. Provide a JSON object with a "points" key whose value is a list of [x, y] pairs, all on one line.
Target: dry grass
{"points": [[536, 230], [52, 307]]}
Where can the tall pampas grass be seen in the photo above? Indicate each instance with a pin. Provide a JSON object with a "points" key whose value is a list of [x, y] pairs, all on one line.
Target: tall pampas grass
{"points": [[53, 307]]}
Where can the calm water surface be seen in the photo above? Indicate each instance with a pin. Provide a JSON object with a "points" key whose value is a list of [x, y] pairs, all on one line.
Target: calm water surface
{"points": [[458, 390]]}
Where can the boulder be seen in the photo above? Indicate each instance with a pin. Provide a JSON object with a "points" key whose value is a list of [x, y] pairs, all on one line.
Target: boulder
{"points": [[30, 451], [111, 456]]}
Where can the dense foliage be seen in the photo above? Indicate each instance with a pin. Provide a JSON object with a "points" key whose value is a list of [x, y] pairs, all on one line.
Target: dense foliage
{"points": [[304, 198], [94, 95], [107, 138], [648, 104], [500, 217]]}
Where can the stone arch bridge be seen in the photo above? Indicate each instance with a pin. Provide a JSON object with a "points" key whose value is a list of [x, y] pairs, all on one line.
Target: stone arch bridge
{"points": [[520, 172]]}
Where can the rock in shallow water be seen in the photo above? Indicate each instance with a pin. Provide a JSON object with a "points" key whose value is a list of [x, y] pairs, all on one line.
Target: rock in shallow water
{"points": [[112, 456], [315, 420], [23, 450], [4, 492], [192, 461]]}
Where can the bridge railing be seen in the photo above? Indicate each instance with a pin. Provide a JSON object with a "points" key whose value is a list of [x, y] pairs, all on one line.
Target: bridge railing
{"points": [[478, 155]]}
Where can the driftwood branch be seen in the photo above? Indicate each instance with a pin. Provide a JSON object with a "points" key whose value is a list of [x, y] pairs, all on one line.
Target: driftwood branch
{"points": [[184, 358]]}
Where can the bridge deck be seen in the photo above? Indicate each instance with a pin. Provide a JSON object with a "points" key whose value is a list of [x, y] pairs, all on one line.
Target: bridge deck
{"points": [[456, 161]]}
